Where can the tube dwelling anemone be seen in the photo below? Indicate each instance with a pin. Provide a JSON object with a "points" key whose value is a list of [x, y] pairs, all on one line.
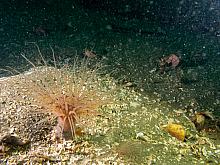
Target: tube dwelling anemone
{"points": [[71, 94]]}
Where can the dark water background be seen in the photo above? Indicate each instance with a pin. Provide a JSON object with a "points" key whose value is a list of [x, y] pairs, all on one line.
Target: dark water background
{"points": [[130, 35]]}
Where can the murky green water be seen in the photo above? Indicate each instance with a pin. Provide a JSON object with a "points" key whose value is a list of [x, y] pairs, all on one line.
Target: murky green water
{"points": [[131, 57]]}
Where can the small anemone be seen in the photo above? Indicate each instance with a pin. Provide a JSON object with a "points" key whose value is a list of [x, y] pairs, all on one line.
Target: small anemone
{"points": [[70, 93]]}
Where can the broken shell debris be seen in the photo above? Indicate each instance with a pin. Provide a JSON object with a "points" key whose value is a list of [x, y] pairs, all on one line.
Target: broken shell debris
{"points": [[176, 130], [132, 127]]}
